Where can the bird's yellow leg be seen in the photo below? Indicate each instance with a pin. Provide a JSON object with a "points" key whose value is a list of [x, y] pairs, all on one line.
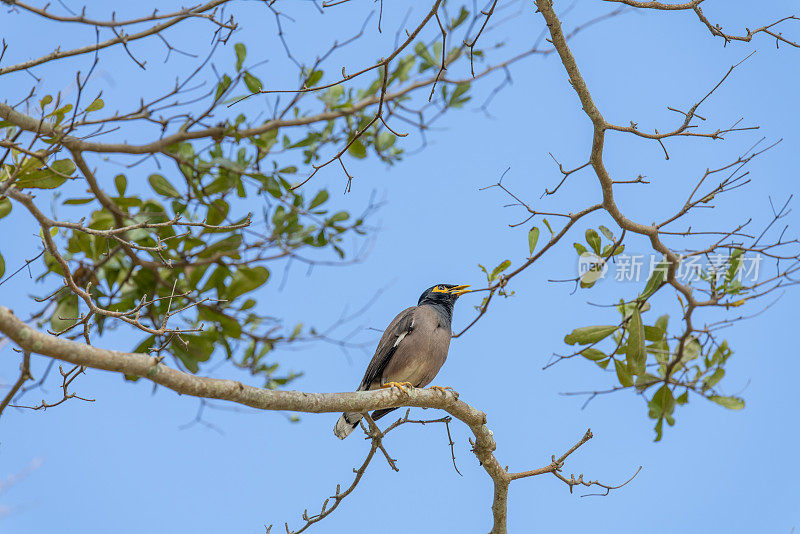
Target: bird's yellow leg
{"points": [[442, 389], [402, 386]]}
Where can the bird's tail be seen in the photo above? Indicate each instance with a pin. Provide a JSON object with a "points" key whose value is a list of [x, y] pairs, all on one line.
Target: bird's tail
{"points": [[349, 421], [346, 423], [377, 414]]}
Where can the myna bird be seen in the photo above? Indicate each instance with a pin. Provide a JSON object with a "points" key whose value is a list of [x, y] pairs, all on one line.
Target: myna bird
{"points": [[411, 351]]}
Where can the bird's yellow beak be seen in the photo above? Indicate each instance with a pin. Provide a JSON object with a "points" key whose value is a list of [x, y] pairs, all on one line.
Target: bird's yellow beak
{"points": [[459, 290]]}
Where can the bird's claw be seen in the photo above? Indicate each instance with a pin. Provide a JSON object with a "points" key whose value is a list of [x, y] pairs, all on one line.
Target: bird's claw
{"points": [[441, 389], [405, 387]]}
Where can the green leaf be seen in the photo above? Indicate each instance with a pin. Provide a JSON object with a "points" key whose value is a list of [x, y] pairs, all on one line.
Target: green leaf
{"points": [[422, 51], [217, 211], [623, 375], [46, 100], [66, 313], [404, 66], [121, 184], [713, 380], [101, 220], [652, 333], [587, 335], [456, 99], [460, 90], [593, 354], [145, 346], [659, 429], [547, 224], [580, 249], [198, 349], [656, 279], [60, 113], [721, 354], [41, 179], [78, 201], [617, 250], [272, 186], [230, 326], [462, 16], [246, 279], [660, 349], [314, 78], [626, 308], [385, 140], [52, 264], [591, 276], [732, 403], [734, 262], [437, 50], [241, 53], [661, 324], [357, 149], [662, 404], [332, 95], [222, 86], [339, 217], [63, 166], [606, 232], [644, 381], [296, 332], [5, 207], [161, 186], [252, 83], [691, 349], [499, 269], [127, 202], [97, 104], [635, 352], [533, 237], [228, 247], [319, 199], [2, 266], [594, 240]]}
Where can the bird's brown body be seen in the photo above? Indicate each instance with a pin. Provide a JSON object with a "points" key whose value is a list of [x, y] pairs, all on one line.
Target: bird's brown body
{"points": [[411, 351], [430, 338]]}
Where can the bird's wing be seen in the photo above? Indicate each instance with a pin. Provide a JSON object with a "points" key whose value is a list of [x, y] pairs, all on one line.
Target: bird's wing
{"points": [[392, 336]]}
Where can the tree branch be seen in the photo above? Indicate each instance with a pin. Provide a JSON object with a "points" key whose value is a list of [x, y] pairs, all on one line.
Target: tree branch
{"points": [[24, 375], [119, 38]]}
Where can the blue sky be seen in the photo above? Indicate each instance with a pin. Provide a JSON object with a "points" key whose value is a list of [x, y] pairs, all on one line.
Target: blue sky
{"points": [[124, 463]]}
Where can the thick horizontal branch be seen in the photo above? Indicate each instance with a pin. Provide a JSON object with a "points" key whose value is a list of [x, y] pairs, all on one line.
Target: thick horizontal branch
{"points": [[144, 366], [148, 367]]}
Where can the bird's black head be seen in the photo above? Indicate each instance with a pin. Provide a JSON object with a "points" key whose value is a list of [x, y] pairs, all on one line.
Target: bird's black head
{"points": [[443, 295]]}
